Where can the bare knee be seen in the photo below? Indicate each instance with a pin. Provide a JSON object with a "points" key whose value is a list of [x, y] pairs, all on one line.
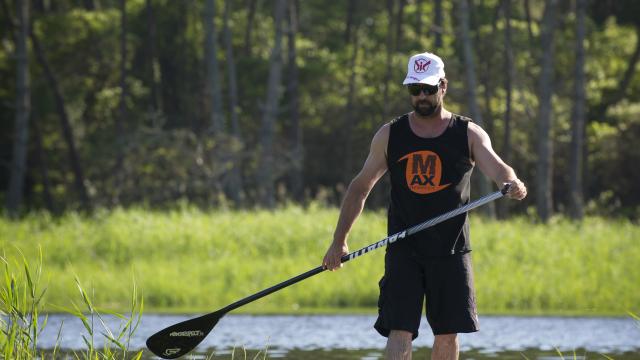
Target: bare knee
{"points": [[445, 347], [446, 339], [399, 345]]}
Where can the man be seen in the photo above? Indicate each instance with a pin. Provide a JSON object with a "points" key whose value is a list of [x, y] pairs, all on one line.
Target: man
{"points": [[429, 154]]}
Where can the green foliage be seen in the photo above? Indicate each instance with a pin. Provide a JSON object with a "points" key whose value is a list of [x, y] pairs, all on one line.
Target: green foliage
{"points": [[189, 260], [167, 109]]}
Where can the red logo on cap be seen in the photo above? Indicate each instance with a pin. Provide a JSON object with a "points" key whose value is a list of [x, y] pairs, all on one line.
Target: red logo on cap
{"points": [[421, 65]]}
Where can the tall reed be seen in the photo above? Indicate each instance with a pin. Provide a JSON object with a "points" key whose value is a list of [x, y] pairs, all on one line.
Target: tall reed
{"points": [[20, 307], [21, 322]]}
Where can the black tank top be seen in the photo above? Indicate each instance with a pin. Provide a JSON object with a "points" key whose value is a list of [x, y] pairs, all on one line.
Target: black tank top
{"points": [[429, 176]]}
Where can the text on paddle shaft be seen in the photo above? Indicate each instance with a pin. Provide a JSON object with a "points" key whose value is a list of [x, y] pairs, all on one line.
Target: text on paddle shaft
{"points": [[379, 244], [188, 333]]}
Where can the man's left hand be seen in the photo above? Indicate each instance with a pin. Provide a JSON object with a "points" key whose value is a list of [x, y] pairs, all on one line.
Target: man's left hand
{"points": [[517, 190]]}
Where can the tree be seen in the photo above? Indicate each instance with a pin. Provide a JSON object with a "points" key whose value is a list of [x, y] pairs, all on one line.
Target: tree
{"points": [[89, 4], [389, 48], [625, 12], [350, 117], [43, 168], [152, 65], [85, 95], [252, 4], [352, 6], [438, 24], [470, 85], [297, 148], [67, 130], [265, 174], [23, 109], [576, 199], [508, 89], [419, 10], [235, 186], [121, 119], [544, 168], [399, 23], [216, 116]]}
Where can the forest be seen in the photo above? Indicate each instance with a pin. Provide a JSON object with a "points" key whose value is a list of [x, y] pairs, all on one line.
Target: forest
{"points": [[262, 103]]}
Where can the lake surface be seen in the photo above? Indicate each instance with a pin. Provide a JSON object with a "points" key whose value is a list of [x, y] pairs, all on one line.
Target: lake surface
{"points": [[352, 337]]}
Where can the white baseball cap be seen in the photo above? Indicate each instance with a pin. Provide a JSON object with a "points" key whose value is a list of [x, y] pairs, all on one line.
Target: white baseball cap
{"points": [[425, 68]]}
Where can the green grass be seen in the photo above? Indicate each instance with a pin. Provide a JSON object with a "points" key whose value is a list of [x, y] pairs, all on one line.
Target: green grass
{"points": [[22, 302], [188, 260]]}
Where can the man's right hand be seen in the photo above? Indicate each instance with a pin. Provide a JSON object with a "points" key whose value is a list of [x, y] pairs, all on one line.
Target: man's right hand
{"points": [[332, 259]]}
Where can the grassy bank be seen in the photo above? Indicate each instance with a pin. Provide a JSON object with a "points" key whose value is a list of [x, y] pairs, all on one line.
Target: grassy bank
{"points": [[190, 260]]}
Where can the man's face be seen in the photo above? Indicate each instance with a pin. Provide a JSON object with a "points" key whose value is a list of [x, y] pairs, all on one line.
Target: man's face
{"points": [[426, 99]]}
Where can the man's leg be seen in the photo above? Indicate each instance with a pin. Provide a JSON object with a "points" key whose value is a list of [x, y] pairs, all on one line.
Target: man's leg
{"points": [[399, 345], [445, 347]]}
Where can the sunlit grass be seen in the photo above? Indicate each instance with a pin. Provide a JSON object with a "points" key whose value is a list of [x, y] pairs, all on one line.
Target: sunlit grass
{"points": [[187, 259], [21, 323]]}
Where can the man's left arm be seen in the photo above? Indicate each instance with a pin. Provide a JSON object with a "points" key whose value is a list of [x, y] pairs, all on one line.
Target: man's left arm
{"points": [[491, 164]]}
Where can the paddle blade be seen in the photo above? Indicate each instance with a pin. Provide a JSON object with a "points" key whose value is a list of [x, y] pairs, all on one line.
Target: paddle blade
{"points": [[179, 339]]}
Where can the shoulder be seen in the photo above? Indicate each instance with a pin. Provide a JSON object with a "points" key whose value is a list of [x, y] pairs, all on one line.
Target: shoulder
{"points": [[399, 119], [461, 118], [460, 124], [474, 128], [476, 132], [381, 138]]}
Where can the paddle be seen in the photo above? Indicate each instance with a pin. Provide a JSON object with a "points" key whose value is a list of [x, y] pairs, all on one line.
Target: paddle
{"points": [[179, 339]]}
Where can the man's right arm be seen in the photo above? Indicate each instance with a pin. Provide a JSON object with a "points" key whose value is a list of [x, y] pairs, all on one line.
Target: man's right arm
{"points": [[374, 167]]}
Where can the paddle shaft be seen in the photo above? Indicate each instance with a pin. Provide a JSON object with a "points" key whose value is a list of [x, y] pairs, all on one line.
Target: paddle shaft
{"points": [[382, 243]]}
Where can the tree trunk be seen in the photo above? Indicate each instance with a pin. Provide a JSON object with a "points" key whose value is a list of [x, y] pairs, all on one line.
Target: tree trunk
{"points": [[508, 89], [67, 130], [296, 181], [388, 71], [43, 168], [438, 24], [235, 187], [265, 176], [508, 86], [419, 9], [352, 5], [37, 7], [89, 5], [350, 118], [486, 51], [544, 169], [124, 93], [527, 12], [612, 97], [630, 71], [153, 66], [399, 23], [216, 116], [250, 19], [23, 110], [481, 182], [576, 200]]}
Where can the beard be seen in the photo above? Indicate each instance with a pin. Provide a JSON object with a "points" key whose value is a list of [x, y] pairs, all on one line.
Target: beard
{"points": [[424, 108]]}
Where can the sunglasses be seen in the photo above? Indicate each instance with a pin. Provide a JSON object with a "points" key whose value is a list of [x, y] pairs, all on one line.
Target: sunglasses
{"points": [[415, 89]]}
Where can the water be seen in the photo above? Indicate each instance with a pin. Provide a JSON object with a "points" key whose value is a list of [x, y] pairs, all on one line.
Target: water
{"points": [[352, 336]]}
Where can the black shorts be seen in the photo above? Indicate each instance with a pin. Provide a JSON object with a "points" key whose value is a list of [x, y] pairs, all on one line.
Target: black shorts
{"points": [[445, 282]]}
